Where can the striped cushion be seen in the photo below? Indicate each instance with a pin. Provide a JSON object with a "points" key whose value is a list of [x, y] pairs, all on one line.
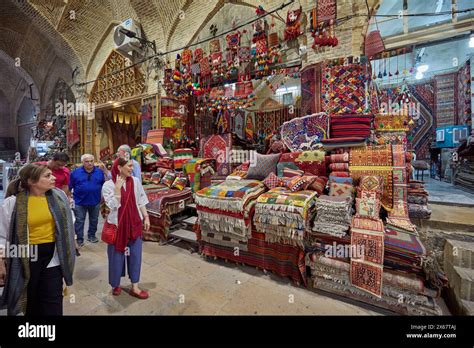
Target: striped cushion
{"points": [[289, 173]]}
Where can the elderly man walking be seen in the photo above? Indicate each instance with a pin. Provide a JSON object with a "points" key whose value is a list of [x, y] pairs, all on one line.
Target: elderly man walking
{"points": [[86, 185], [124, 151]]}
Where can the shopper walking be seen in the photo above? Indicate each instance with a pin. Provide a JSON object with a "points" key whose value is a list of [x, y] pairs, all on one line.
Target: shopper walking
{"points": [[126, 199], [86, 186], [124, 151], [57, 164], [36, 218]]}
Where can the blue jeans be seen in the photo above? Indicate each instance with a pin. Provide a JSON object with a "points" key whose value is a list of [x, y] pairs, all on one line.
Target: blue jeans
{"points": [[81, 211]]}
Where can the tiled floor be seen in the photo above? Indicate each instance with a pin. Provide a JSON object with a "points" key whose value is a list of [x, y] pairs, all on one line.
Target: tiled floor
{"points": [[445, 193]]}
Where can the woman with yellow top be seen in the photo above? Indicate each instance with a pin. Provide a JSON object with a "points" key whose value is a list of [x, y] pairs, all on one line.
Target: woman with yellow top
{"points": [[37, 222]]}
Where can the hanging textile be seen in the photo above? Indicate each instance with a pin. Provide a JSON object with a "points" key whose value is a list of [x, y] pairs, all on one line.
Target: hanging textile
{"points": [[311, 89], [72, 134], [249, 126], [344, 88], [145, 121], [294, 24]]}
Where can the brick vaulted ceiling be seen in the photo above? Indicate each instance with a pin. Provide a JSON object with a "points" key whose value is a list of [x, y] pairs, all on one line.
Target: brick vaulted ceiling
{"points": [[41, 31]]}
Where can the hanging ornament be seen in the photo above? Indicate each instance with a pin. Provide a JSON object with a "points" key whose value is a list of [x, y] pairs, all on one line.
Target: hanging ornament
{"points": [[389, 68], [405, 66], [397, 72], [384, 67], [380, 70]]}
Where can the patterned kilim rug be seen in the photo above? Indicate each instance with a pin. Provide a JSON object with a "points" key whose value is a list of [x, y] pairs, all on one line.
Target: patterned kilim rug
{"points": [[385, 172], [445, 96], [215, 146], [343, 89], [230, 195], [367, 276], [165, 203], [283, 215], [311, 89], [304, 133], [285, 260]]}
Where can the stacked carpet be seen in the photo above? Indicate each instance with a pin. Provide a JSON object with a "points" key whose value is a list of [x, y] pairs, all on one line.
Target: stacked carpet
{"points": [[367, 237], [465, 175], [199, 172], [418, 200], [403, 249], [180, 156], [164, 204], [284, 216], [282, 259], [403, 294], [339, 165], [333, 216], [225, 212], [343, 126], [337, 143]]}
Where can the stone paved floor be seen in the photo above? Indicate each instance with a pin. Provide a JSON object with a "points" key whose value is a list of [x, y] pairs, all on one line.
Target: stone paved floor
{"points": [[181, 282], [446, 193]]}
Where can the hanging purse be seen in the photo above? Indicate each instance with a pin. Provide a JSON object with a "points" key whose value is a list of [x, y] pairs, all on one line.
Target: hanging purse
{"points": [[109, 231]]}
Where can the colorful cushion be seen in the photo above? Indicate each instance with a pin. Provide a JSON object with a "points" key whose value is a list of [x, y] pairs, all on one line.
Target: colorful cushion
{"points": [[340, 180], [272, 181], [296, 183], [367, 207], [319, 184], [265, 164], [240, 173], [180, 156], [244, 166], [289, 173], [341, 190], [224, 169], [309, 180], [282, 165], [313, 162], [341, 174], [369, 195], [156, 178], [371, 183], [179, 183], [168, 178]]}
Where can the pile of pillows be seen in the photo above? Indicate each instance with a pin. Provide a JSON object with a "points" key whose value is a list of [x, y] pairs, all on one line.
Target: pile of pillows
{"points": [[169, 178], [298, 182], [290, 177]]}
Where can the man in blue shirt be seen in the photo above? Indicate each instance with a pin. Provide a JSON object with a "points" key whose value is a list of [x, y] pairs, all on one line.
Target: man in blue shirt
{"points": [[86, 184]]}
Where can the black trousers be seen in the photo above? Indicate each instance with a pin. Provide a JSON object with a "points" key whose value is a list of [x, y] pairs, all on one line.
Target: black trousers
{"points": [[45, 288]]}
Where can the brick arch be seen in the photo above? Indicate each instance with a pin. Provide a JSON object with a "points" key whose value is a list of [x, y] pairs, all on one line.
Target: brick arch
{"points": [[58, 70]]}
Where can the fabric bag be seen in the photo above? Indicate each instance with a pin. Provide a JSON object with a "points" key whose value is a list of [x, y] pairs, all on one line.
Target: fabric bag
{"points": [[109, 231]]}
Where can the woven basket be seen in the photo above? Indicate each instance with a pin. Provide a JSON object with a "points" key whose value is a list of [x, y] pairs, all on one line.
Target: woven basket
{"points": [[374, 43]]}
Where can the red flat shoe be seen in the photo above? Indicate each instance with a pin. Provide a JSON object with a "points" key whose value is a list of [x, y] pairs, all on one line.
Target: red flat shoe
{"points": [[116, 291], [143, 295]]}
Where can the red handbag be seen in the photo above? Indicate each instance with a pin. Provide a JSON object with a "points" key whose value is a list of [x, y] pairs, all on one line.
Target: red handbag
{"points": [[109, 231]]}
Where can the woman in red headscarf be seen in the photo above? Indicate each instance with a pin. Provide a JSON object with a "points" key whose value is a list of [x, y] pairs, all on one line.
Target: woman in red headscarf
{"points": [[125, 197]]}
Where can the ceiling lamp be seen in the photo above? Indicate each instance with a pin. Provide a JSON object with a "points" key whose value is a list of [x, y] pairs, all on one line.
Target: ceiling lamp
{"points": [[419, 75], [422, 68]]}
